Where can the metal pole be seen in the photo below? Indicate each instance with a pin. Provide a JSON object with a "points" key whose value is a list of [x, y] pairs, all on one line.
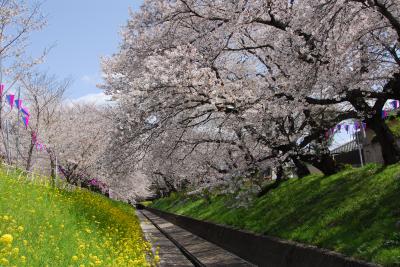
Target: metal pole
{"points": [[359, 148], [17, 128], [1, 68], [1, 107], [363, 130], [8, 150], [56, 168]]}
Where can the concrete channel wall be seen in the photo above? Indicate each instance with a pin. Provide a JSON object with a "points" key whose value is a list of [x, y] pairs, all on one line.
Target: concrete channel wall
{"points": [[259, 249]]}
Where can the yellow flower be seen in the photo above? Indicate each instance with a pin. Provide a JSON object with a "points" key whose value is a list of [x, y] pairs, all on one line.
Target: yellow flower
{"points": [[20, 228], [4, 262], [6, 239], [25, 242], [5, 218], [23, 258], [74, 258], [15, 251], [157, 258]]}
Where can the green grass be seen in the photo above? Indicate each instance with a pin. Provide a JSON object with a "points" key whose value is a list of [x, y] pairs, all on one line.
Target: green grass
{"points": [[394, 124], [146, 203], [45, 226], [354, 212]]}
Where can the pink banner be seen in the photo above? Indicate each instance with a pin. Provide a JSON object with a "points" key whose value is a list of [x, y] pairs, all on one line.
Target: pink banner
{"points": [[25, 119], [10, 100]]}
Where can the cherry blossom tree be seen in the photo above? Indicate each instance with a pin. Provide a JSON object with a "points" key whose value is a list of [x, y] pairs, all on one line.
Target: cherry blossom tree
{"points": [[18, 20], [359, 45], [44, 96], [79, 139], [270, 77]]}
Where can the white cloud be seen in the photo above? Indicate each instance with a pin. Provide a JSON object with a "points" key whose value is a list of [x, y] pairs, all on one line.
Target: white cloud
{"points": [[90, 79], [98, 99]]}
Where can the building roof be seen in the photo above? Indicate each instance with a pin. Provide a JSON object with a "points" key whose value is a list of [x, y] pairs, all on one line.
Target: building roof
{"points": [[350, 146]]}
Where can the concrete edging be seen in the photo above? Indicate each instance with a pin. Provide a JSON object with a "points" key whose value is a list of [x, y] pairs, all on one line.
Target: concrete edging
{"points": [[260, 249]]}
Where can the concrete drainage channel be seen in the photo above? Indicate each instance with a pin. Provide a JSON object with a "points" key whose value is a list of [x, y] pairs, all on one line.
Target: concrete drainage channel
{"points": [[255, 249]]}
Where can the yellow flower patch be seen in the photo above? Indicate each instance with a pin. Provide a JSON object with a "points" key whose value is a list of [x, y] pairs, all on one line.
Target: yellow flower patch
{"points": [[45, 226]]}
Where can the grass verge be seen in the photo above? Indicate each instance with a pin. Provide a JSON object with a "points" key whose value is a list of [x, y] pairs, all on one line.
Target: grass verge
{"points": [[355, 212]]}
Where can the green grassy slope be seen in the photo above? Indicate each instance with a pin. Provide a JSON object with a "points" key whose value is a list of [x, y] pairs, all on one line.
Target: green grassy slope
{"points": [[45, 226], [354, 212], [394, 124]]}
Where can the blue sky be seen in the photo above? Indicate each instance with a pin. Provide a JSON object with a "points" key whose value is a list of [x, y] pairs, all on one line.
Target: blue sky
{"points": [[81, 31]]}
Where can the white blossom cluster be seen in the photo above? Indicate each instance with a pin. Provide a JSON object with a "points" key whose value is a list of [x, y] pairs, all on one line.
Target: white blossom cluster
{"points": [[209, 90]]}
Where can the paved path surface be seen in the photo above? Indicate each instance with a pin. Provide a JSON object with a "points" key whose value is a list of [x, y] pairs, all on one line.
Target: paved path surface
{"points": [[169, 254], [206, 253]]}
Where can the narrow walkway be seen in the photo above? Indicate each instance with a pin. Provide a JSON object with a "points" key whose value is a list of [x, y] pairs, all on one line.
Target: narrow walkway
{"points": [[204, 252], [169, 254]]}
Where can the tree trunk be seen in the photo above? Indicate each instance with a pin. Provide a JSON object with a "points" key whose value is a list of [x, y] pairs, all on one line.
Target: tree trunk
{"points": [[29, 160], [53, 172], [390, 149], [279, 174], [301, 168], [53, 166], [278, 181], [325, 163]]}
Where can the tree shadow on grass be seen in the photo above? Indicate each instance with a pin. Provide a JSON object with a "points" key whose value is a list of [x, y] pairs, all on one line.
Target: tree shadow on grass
{"points": [[343, 213]]}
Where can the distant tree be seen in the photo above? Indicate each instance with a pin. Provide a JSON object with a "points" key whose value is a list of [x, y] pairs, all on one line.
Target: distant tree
{"points": [[44, 95], [79, 138]]}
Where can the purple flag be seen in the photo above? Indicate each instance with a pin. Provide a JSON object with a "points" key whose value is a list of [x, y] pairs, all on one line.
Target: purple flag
{"points": [[339, 127], [25, 111], [346, 127], [25, 119], [10, 100], [38, 146], [18, 103], [394, 104]]}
